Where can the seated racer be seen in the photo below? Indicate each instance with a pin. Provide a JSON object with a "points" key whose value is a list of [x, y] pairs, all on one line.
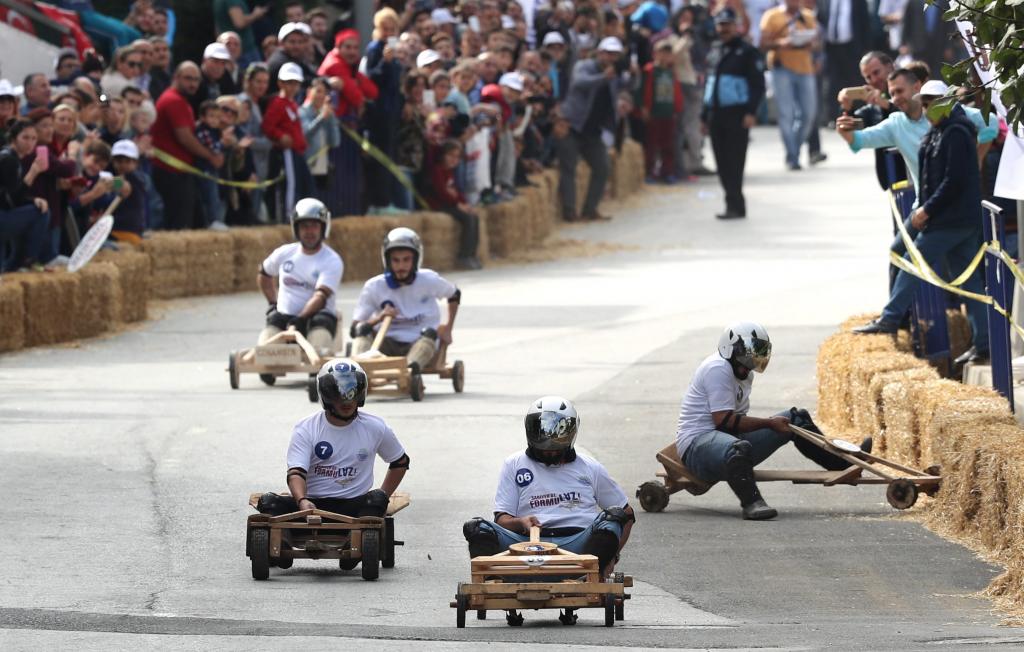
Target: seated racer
{"points": [[331, 453], [717, 440], [570, 496], [408, 294], [310, 273]]}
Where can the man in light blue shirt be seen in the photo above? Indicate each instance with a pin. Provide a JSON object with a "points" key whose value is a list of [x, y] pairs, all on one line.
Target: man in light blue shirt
{"points": [[905, 129]]}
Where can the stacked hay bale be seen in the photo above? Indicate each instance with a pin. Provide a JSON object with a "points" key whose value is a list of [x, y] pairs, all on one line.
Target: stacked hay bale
{"points": [[251, 247], [582, 182], [358, 240], [866, 405], [12, 316], [541, 202], [99, 300], [50, 306], [509, 226], [875, 423], [133, 278], [168, 272], [441, 234], [628, 169], [835, 358], [211, 263]]}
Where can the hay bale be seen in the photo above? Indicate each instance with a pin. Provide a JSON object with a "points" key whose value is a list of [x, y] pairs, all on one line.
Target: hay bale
{"points": [[168, 270], [508, 227], [627, 169], [582, 181], [440, 235], [50, 300], [250, 251], [959, 332], [12, 316], [211, 262], [999, 475], [974, 410], [863, 369], [835, 356], [99, 299], [875, 424], [133, 278], [543, 206]]}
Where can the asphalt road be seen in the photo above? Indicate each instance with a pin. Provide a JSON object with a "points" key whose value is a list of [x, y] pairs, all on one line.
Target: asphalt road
{"points": [[127, 461]]}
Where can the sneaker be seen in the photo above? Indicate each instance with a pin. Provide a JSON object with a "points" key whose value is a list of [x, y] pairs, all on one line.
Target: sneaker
{"points": [[217, 225], [818, 157], [59, 261], [794, 166], [759, 511]]}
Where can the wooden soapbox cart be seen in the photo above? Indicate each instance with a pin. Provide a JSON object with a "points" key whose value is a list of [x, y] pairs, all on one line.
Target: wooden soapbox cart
{"points": [[284, 353]]}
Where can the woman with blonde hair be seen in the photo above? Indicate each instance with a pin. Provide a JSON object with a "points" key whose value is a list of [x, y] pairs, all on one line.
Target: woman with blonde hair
{"points": [[384, 70]]}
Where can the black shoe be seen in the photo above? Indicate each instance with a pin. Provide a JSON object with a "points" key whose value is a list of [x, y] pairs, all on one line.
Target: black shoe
{"points": [[730, 214], [414, 367], [759, 511], [867, 444], [817, 157], [972, 355], [703, 172], [876, 327]]}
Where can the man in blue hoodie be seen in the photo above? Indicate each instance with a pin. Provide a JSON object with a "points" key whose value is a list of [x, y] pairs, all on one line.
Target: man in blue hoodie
{"points": [[948, 218]]}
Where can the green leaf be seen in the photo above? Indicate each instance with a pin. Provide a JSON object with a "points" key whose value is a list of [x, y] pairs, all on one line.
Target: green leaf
{"points": [[941, 108]]}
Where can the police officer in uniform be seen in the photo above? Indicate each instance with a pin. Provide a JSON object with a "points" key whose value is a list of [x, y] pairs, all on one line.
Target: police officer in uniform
{"points": [[734, 89]]}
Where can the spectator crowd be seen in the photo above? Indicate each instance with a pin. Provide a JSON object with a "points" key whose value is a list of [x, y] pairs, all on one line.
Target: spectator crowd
{"points": [[449, 105]]}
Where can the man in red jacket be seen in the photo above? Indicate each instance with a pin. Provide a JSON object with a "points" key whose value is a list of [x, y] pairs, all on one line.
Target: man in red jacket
{"points": [[282, 125], [662, 102], [341, 67]]}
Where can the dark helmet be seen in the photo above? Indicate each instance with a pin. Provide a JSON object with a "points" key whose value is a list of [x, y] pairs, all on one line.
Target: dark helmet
{"points": [[341, 379], [552, 424]]}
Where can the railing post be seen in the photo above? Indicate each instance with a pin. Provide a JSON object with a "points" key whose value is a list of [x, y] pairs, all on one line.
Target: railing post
{"points": [[999, 286]]}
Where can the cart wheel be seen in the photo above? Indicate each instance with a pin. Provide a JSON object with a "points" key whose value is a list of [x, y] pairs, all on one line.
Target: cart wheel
{"points": [[284, 563], [311, 390], [619, 577], [901, 494], [348, 349], [458, 376], [387, 557], [481, 614], [259, 553], [514, 618], [233, 369], [568, 617], [348, 564], [653, 496], [416, 386], [620, 609], [609, 610], [371, 554], [934, 469], [268, 379], [461, 602]]}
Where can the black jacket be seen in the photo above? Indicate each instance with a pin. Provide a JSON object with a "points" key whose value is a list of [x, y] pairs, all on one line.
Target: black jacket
{"points": [[13, 191], [735, 84], [949, 180]]}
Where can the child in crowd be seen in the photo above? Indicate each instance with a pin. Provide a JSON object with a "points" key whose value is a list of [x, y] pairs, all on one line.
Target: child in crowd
{"points": [[97, 185], [208, 132], [130, 217], [282, 125], [321, 131], [443, 195], [238, 161], [661, 102]]}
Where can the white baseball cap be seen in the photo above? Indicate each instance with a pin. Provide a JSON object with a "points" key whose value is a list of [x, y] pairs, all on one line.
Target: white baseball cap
{"points": [[290, 72], [507, 22], [513, 80], [125, 148], [610, 44], [6, 90], [217, 51], [442, 16], [934, 88], [288, 28], [553, 38], [427, 57]]}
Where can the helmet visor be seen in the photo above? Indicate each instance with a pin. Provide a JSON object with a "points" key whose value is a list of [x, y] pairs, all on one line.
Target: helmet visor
{"points": [[345, 387], [760, 354], [551, 431]]}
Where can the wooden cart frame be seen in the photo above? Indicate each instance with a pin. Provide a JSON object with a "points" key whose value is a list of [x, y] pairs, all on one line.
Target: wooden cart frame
{"points": [[319, 534], [539, 575], [284, 353], [391, 376], [903, 483]]}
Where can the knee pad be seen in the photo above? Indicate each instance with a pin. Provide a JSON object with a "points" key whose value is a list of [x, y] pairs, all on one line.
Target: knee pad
{"points": [[474, 527], [604, 545], [615, 515], [362, 329], [429, 333], [377, 499], [271, 503], [482, 540]]}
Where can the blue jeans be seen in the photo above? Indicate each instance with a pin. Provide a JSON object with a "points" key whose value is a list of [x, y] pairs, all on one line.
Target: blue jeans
{"points": [[796, 101], [706, 455], [573, 542], [28, 228], [944, 250], [209, 196]]}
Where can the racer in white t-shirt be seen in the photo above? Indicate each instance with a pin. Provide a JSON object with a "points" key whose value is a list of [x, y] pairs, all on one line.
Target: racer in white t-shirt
{"points": [[715, 437], [331, 453], [409, 295], [309, 274], [570, 496]]}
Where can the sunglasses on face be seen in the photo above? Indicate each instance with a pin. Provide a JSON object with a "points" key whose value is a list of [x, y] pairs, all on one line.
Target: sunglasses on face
{"points": [[133, 64]]}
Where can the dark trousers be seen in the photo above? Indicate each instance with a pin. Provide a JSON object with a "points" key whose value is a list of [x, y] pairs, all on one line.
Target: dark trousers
{"points": [[380, 183], [729, 142], [842, 66], [28, 229], [594, 152], [179, 192], [660, 144], [470, 231], [297, 183]]}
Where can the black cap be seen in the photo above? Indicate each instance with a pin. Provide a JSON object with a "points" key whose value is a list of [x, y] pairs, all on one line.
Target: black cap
{"points": [[726, 15]]}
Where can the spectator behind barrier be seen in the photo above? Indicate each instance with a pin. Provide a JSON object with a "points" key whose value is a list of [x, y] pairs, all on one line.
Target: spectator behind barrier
{"points": [[24, 219]]}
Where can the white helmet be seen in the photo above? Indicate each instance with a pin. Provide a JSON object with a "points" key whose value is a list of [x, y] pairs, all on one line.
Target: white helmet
{"points": [[341, 380], [552, 424], [311, 209], [747, 343], [402, 238]]}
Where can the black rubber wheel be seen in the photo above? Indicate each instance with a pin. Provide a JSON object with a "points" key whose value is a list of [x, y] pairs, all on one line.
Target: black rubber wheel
{"points": [[268, 379], [371, 554], [284, 563], [481, 614], [653, 496], [416, 386], [609, 610], [233, 369], [348, 564], [311, 390], [514, 618], [387, 557], [458, 376], [901, 494], [348, 349], [461, 603], [259, 553], [620, 609], [568, 617]]}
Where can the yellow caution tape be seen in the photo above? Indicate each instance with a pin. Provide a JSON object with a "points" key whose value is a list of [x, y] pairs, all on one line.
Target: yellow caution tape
{"points": [[376, 154], [182, 166]]}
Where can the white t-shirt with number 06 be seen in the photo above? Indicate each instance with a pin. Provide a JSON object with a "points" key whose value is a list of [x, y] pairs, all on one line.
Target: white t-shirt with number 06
{"points": [[565, 495]]}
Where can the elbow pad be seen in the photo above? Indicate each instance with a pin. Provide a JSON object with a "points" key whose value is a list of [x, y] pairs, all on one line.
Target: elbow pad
{"points": [[731, 423], [296, 471], [457, 297], [401, 463]]}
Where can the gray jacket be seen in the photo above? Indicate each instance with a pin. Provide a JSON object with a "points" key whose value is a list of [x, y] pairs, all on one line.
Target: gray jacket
{"points": [[587, 79]]}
